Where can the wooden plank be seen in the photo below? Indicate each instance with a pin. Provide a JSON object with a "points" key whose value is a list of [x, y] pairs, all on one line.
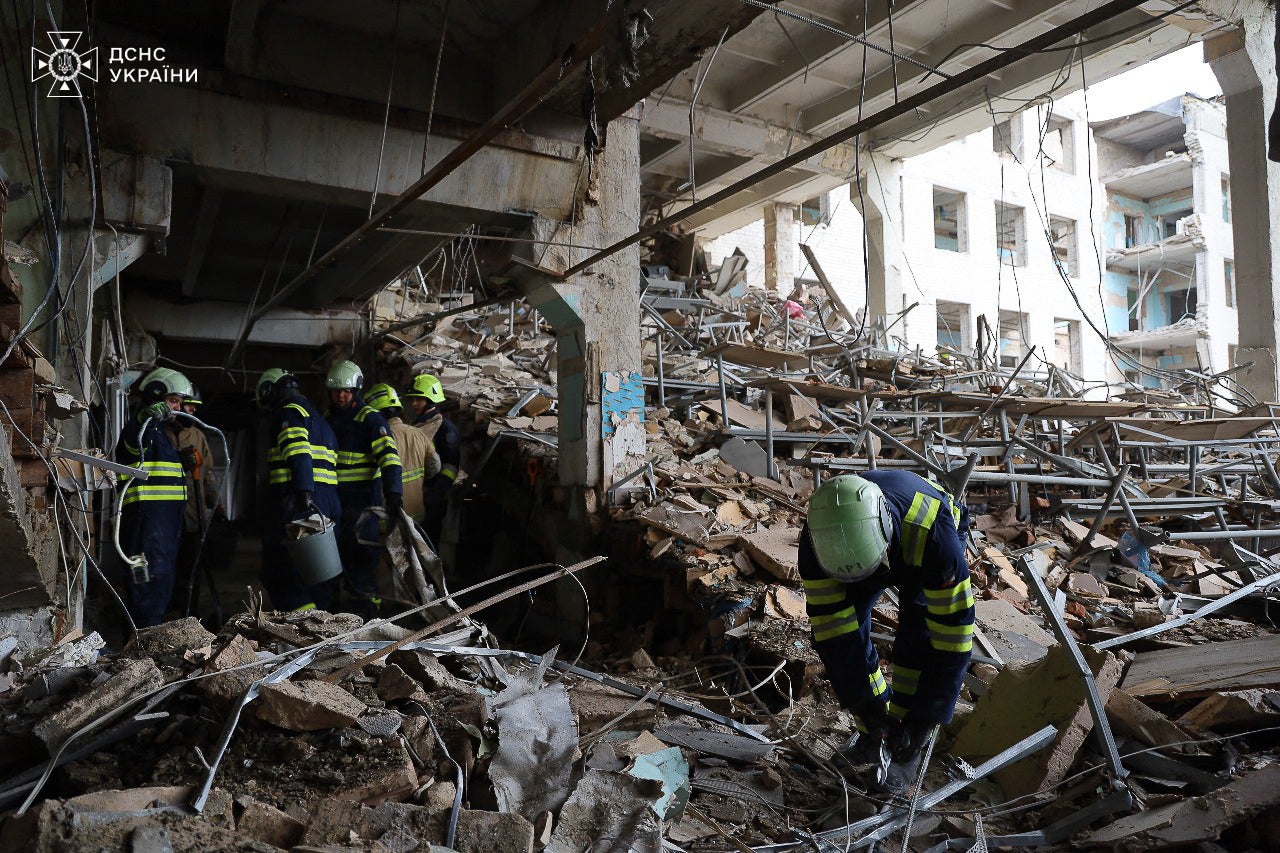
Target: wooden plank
{"points": [[1204, 669], [738, 414], [756, 356], [1201, 429], [814, 390]]}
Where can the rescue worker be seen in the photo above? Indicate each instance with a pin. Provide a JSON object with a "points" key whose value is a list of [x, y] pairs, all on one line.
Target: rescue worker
{"points": [[151, 510], [202, 497], [864, 534], [369, 475], [302, 473], [425, 396], [418, 457]]}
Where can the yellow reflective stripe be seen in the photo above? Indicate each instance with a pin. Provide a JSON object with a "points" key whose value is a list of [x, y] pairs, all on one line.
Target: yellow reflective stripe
{"points": [[302, 412], [384, 441], [347, 457], [449, 471], [324, 478], [897, 710], [878, 685], [412, 474], [830, 625], [916, 525], [319, 451], [294, 432], [943, 601], [824, 591], [388, 460], [950, 638], [357, 475], [905, 680], [278, 476], [141, 492], [174, 468], [297, 450]]}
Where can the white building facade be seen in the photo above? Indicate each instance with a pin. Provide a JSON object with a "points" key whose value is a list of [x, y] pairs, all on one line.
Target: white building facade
{"points": [[1008, 239]]}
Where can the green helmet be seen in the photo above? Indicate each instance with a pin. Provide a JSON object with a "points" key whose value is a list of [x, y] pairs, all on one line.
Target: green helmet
{"points": [[345, 374], [850, 526], [382, 397], [265, 394], [426, 385], [162, 382]]}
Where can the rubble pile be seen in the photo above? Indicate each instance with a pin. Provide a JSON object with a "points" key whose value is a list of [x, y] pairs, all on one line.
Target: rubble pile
{"points": [[1147, 518], [1122, 692]]}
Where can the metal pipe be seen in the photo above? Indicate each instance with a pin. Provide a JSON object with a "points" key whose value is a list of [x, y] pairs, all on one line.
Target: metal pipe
{"points": [[1097, 708], [974, 74], [772, 464], [1205, 610], [1211, 535], [1116, 484]]}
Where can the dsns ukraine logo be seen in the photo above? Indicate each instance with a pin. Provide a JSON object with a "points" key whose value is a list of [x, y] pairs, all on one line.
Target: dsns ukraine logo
{"points": [[64, 64]]}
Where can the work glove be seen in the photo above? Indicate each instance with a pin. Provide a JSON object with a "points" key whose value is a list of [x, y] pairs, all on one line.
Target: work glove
{"points": [[160, 411], [392, 504], [303, 502], [190, 458]]}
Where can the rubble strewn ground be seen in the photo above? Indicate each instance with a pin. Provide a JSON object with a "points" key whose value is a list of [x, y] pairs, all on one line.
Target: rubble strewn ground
{"points": [[1093, 520]]}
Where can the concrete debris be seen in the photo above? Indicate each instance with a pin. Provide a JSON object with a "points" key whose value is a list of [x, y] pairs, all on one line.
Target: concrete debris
{"points": [[132, 680], [1023, 699], [307, 707]]}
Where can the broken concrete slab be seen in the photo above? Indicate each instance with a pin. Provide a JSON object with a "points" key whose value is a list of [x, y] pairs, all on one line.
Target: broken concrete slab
{"points": [[594, 705], [428, 670], [169, 642], [1234, 710], [331, 822], [230, 686], [745, 456], [1133, 718], [493, 832], [775, 549], [394, 684], [307, 706], [395, 780], [1014, 635], [608, 805], [1195, 819], [137, 678], [1024, 698], [267, 823]]}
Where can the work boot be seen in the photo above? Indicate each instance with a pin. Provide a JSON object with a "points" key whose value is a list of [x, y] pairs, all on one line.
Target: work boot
{"points": [[864, 748], [904, 751]]}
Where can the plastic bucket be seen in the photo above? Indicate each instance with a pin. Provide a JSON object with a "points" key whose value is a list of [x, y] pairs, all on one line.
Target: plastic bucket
{"points": [[315, 554]]}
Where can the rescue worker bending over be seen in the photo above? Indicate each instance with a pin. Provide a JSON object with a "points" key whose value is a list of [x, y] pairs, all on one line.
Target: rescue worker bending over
{"points": [[302, 472], [425, 396], [369, 474], [418, 458], [151, 510], [866, 533]]}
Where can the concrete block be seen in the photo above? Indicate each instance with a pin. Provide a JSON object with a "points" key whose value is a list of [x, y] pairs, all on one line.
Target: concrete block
{"points": [[394, 684], [331, 822], [136, 678], [230, 686], [267, 824], [1024, 699], [306, 707], [394, 780], [169, 642], [493, 832]]}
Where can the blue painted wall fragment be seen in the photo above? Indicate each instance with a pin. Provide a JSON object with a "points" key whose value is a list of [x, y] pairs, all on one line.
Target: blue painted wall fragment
{"points": [[621, 394]]}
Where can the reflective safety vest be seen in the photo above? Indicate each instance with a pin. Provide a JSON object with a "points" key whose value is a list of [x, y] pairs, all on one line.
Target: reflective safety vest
{"points": [[306, 435], [366, 452], [166, 481]]}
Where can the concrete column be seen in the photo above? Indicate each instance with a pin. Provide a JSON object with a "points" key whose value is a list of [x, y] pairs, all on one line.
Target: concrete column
{"points": [[595, 315], [1245, 64], [879, 205], [779, 247]]}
